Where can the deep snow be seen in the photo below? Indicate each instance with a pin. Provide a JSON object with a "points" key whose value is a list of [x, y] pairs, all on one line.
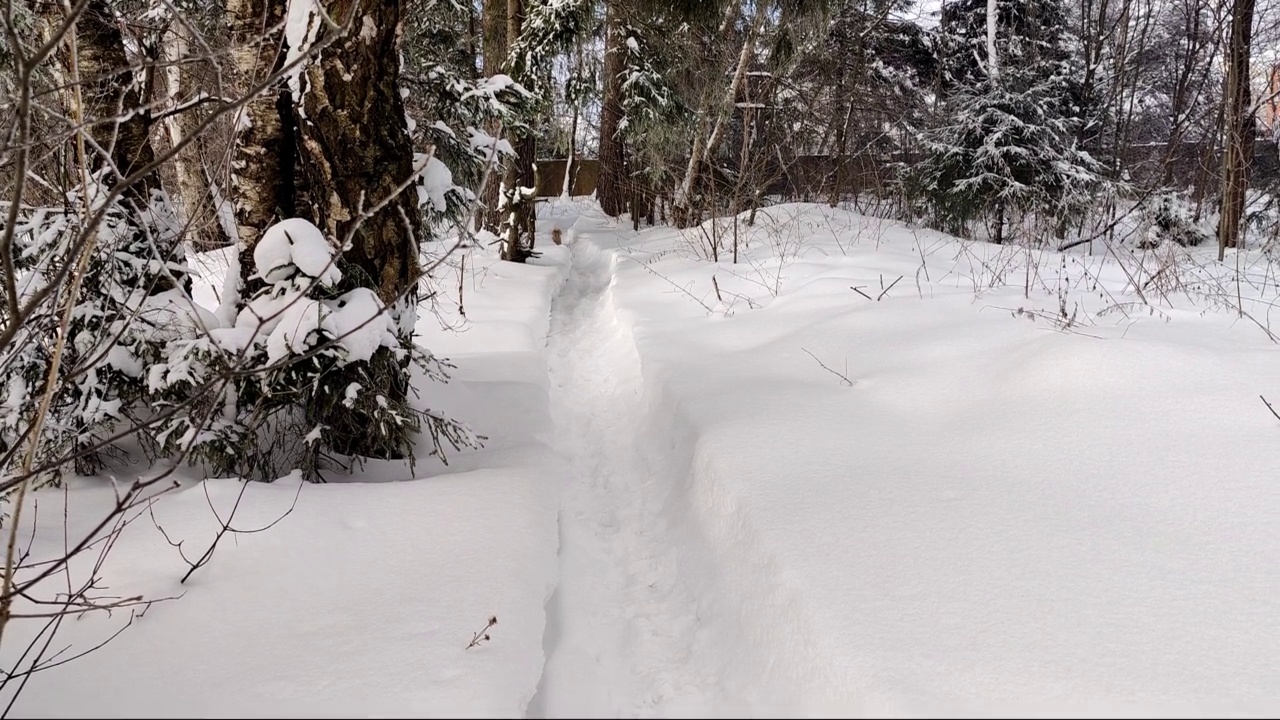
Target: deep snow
{"points": [[1024, 482]]}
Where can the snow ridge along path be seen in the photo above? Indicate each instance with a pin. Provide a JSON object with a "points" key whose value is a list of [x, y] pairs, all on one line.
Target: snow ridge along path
{"points": [[622, 629]]}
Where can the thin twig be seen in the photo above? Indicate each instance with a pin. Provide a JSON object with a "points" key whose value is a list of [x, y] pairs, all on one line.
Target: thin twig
{"points": [[844, 377], [886, 290], [1269, 407], [483, 634]]}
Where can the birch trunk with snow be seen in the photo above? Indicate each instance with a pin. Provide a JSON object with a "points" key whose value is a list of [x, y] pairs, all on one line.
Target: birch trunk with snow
{"points": [[184, 176], [262, 158]]}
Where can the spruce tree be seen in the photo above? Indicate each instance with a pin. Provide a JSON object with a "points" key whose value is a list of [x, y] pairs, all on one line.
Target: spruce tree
{"points": [[1004, 145]]}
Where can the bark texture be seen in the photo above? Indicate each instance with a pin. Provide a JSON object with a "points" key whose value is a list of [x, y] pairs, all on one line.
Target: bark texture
{"points": [[263, 157], [356, 157]]}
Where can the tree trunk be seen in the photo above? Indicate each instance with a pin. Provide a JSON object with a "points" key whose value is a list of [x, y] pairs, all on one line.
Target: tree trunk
{"points": [[111, 100], [356, 170], [993, 58], [183, 178], [356, 157], [1238, 127], [571, 164], [612, 181], [518, 215], [262, 173], [494, 45]]}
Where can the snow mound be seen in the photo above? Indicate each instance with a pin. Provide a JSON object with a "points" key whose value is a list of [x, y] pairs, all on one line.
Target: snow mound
{"points": [[295, 245], [361, 324]]}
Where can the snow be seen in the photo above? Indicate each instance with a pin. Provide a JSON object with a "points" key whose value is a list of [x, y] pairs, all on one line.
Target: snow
{"points": [[361, 324], [302, 25], [869, 470], [297, 329], [487, 146], [264, 313], [437, 181], [295, 244], [362, 600], [998, 517], [491, 86]]}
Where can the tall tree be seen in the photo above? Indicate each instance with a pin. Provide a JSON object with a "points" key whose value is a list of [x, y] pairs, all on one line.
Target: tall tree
{"points": [[329, 143], [494, 50], [612, 180], [107, 98], [615, 184], [1238, 128], [355, 156], [517, 227], [1006, 142], [537, 31]]}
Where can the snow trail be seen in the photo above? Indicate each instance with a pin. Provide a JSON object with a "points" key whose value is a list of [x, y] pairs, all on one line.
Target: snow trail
{"points": [[622, 628]]}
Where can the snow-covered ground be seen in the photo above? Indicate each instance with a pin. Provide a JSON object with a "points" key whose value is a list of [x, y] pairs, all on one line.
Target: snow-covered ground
{"points": [[362, 600], [865, 470]]}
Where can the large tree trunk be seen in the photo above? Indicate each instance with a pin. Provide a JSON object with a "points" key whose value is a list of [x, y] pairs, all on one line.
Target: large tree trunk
{"points": [[518, 215], [263, 159], [356, 172], [521, 182], [355, 152], [111, 101], [1238, 127], [612, 181], [184, 178]]}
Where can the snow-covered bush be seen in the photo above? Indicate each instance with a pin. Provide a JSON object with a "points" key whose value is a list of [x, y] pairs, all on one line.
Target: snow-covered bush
{"points": [[1171, 218], [317, 361], [305, 371], [127, 290]]}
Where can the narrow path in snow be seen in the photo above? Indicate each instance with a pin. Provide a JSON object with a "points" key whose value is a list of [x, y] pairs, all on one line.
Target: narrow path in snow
{"points": [[621, 627]]}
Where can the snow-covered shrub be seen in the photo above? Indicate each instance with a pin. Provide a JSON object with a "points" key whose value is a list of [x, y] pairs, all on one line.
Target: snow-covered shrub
{"points": [[1262, 218], [318, 360], [1171, 218], [128, 290]]}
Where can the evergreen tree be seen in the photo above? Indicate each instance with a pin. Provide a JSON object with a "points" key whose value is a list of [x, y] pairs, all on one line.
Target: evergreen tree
{"points": [[1008, 145]]}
